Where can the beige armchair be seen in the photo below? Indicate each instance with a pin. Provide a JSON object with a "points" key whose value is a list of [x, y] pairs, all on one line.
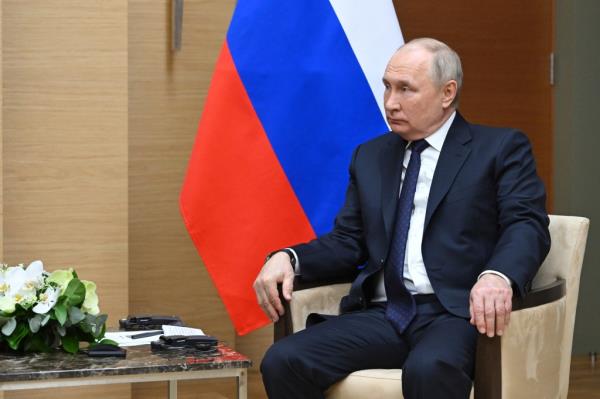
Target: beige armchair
{"points": [[532, 358]]}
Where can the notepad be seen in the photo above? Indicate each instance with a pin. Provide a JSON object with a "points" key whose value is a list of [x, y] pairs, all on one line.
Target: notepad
{"points": [[178, 330]]}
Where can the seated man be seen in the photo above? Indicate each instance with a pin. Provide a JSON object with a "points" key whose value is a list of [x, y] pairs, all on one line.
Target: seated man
{"points": [[447, 217]]}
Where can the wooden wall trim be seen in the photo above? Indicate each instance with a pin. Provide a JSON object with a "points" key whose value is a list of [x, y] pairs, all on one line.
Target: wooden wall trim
{"points": [[505, 48]]}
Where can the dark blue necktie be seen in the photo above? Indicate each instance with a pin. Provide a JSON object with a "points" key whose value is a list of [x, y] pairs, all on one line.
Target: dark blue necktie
{"points": [[400, 308]]}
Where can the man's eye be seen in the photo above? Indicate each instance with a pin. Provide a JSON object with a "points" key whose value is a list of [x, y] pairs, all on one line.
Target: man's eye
{"points": [[404, 88]]}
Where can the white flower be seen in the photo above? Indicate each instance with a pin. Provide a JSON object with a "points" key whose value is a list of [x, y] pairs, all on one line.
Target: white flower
{"points": [[47, 300], [7, 304], [35, 274], [3, 283], [18, 287]]}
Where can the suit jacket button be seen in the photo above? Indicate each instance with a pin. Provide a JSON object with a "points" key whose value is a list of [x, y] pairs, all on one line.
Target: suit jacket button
{"points": [[381, 261]]}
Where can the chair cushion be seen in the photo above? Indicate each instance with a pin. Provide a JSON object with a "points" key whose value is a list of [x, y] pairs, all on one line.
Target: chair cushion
{"points": [[372, 384]]}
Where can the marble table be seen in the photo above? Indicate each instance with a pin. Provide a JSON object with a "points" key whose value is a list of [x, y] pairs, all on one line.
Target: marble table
{"points": [[51, 370]]}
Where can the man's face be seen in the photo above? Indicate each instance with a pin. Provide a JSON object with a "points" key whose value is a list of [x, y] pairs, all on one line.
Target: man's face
{"points": [[415, 107]]}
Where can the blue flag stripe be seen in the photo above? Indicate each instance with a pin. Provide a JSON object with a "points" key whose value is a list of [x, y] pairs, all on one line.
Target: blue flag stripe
{"points": [[309, 93]]}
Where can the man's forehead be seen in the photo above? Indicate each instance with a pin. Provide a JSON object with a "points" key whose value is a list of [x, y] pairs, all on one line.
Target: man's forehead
{"points": [[415, 60], [410, 55]]}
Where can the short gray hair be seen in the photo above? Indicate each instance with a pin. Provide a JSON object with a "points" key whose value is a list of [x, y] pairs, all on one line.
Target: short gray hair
{"points": [[445, 65]]}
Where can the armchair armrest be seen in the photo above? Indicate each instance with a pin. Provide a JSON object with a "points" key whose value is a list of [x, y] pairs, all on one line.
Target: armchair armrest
{"points": [[285, 326], [525, 336]]}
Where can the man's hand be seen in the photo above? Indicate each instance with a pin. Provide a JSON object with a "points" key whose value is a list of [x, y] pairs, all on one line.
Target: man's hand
{"points": [[277, 269], [490, 304]]}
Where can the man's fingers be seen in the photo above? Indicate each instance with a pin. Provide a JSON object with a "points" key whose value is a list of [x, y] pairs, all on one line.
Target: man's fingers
{"points": [[508, 307], [265, 304], [277, 269], [287, 287], [500, 315], [491, 304], [273, 298], [472, 321], [490, 316], [478, 309]]}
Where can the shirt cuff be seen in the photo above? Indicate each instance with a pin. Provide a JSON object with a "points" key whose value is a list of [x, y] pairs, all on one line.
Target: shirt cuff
{"points": [[497, 274], [297, 266]]}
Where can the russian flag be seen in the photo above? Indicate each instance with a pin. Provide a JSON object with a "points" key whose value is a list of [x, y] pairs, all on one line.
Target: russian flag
{"points": [[296, 87]]}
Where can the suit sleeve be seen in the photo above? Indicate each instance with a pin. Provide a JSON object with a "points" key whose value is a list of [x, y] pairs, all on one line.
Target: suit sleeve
{"points": [[338, 253], [524, 239]]}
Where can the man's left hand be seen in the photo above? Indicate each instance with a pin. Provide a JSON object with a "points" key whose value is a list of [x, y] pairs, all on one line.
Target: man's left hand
{"points": [[490, 304]]}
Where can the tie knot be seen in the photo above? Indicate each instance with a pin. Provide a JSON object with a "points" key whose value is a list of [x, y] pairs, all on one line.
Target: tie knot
{"points": [[419, 145]]}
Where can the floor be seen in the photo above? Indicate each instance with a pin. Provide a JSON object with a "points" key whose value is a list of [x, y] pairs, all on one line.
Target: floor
{"points": [[584, 384], [585, 379]]}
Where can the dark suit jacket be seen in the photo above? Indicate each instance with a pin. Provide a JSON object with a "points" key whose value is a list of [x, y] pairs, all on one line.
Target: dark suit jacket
{"points": [[486, 210]]}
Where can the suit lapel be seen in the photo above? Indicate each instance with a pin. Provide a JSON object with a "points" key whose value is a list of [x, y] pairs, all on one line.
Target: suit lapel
{"points": [[454, 153], [391, 166]]}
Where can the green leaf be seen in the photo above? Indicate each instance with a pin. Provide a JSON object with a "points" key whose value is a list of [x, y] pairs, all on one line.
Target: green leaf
{"points": [[70, 343], [45, 319], [9, 327], [60, 311], [85, 326], [61, 330], [75, 292], [101, 319], [107, 341], [15, 338], [36, 343], [75, 315], [35, 323], [101, 332], [86, 337]]}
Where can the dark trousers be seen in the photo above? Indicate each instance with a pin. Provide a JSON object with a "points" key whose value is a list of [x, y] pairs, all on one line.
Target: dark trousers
{"points": [[436, 353]]}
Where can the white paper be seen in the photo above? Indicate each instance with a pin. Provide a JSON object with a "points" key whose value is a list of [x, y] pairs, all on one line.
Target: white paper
{"points": [[125, 338], [178, 330]]}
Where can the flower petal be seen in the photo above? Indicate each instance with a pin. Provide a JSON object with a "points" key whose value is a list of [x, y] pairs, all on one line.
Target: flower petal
{"points": [[7, 304], [61, 278], [90, 303]]}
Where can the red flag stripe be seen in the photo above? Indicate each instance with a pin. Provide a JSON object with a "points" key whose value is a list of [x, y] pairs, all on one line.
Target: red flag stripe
{"points": [[234, 184]]}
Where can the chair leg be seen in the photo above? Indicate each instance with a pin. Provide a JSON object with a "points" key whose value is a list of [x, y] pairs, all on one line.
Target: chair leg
{"points": [[488, 368]]}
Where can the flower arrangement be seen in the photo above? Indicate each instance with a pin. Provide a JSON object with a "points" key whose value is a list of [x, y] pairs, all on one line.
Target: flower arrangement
{"points": [[41, 311]]}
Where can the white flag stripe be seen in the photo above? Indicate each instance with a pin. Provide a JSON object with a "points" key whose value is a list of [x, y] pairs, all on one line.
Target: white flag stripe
{"points": [[374, 34]]}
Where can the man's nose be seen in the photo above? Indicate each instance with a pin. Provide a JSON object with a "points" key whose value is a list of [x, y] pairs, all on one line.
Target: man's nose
{"points": [[392, 103]]}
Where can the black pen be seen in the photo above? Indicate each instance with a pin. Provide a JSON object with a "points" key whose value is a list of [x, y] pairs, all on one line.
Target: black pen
{"points": [[147, 334]]}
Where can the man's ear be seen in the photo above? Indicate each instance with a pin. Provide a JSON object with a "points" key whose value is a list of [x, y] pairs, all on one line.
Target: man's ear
{"points": [[449, 93]]}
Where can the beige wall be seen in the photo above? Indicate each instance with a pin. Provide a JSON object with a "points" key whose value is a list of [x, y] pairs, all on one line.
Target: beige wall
{"points": [[98, 121], [64, 152], [166, 95], [2, 157]]}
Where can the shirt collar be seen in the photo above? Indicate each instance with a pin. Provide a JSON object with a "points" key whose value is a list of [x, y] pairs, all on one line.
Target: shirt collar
{"points": [[437, 138]]}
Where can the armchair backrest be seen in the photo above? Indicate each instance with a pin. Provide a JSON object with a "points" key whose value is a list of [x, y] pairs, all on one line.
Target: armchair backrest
{"points": [[569, 236]]}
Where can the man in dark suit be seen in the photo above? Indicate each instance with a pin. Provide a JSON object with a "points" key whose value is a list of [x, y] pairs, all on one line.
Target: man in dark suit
{"points": [[446, 217]]}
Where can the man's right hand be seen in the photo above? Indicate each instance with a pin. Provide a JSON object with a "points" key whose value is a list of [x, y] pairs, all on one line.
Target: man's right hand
{"points": [[278, 269]]}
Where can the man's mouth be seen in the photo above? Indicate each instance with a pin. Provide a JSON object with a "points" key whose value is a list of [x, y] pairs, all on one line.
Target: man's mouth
{"points": [[395, 121]]}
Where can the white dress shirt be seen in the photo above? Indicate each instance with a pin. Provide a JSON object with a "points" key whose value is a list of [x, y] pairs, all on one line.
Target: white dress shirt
{"points": [[415, 274]]}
